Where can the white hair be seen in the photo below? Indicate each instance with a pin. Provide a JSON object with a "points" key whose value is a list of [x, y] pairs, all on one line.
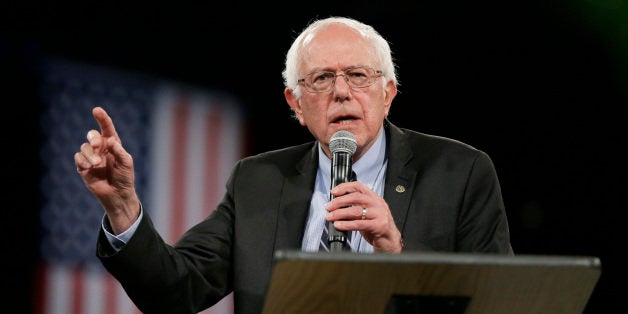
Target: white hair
{"points": [[380, 45]]}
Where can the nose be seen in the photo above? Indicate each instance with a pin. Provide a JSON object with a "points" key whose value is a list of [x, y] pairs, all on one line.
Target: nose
{"points": [[341, 90], [341, 86]]}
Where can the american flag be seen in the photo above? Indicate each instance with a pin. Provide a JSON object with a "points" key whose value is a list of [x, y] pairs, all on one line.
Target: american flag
{"points": [[184, 141]]}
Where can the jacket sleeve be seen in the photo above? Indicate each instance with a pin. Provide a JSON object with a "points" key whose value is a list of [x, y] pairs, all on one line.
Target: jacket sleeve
{"points": [[482, 222]]}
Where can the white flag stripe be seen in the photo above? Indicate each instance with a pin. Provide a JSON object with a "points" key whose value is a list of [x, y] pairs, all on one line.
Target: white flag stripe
{"points": [[196, 159], [159, 200], [59, 290], [94, 291]]}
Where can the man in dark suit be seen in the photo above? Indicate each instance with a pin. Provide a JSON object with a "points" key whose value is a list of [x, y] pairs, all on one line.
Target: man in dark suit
{"points": [[414, 192]]}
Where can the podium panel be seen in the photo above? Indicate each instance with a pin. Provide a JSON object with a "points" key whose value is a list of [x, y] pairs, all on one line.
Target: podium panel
{"points": [[426, 283]]}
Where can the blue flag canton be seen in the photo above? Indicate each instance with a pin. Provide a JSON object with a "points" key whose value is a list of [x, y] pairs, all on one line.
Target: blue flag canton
{"points": [[70, 215]]}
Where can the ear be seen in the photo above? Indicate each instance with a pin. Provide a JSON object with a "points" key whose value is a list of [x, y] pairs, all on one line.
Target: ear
{"points": [[295, 104], [390, 93]]}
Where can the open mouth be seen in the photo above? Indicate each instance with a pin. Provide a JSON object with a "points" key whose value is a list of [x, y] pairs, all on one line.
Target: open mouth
{"points": [[344, 120]]}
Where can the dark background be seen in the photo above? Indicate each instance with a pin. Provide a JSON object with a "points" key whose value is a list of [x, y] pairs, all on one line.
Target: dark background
{"points": [[541, 86]]}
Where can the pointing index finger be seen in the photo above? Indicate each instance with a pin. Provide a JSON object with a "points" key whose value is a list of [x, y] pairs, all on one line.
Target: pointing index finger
{"points": [[107, 129]]}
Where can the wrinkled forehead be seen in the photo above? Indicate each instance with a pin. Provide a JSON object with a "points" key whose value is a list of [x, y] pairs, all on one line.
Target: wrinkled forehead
{"points": [[335, 46]]}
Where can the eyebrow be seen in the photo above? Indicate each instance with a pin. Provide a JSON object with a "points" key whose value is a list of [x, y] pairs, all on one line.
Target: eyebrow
{"points": [[328, 69]]}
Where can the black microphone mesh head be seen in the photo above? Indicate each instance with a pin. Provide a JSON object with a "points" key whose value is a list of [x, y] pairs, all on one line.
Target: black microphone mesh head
{"points": [[343, 141]]}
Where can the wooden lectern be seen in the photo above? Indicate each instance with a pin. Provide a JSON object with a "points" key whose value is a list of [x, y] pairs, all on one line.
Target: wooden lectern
{"points": [[429, 283]]}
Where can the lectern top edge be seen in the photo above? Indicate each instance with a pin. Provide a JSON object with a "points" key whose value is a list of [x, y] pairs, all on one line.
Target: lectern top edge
{"points": [[443, 258]]}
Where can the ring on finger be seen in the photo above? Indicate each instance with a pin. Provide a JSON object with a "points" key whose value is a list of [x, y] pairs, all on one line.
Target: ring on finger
{"points": [[363, 213]]}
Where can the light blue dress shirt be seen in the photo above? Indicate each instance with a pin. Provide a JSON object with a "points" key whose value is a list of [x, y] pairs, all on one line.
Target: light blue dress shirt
{"points": [[370, 169]]}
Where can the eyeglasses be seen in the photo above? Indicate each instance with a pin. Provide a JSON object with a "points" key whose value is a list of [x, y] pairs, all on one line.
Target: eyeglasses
{"points": [[324, 81]]}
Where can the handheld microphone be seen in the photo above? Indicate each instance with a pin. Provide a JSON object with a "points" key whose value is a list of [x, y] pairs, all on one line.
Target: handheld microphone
{"points": [[342, 145]]}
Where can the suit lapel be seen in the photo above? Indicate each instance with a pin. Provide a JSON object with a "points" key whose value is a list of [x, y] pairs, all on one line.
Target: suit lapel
{"points": [[399, 177], [295, 201]]}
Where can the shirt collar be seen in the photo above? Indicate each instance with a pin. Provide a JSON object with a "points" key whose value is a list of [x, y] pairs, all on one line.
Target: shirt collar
{"points": [[366, 168]]}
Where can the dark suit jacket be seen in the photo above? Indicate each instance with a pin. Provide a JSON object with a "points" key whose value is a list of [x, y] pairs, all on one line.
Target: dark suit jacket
{"points": [[444, 196]]}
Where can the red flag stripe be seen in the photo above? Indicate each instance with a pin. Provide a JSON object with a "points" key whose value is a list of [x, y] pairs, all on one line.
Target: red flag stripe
{"points": [[178, 167]]}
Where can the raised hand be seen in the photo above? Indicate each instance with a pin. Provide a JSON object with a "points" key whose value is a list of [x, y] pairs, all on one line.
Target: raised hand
{"points": [[107, 170]]}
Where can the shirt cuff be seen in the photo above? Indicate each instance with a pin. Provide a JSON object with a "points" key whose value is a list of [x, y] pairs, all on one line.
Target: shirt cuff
{"points": [[119, 241]]}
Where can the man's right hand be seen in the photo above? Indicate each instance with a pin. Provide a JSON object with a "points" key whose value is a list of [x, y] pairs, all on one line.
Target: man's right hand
{"points": [[107, 170]]}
